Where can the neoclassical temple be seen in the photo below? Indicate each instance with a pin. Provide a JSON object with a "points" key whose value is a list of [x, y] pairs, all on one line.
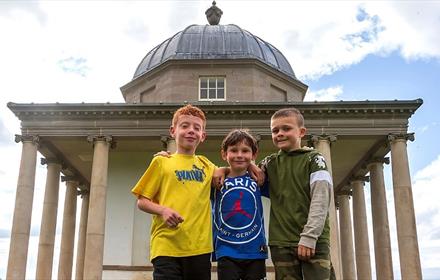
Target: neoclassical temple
{"points": [[239, 80]]}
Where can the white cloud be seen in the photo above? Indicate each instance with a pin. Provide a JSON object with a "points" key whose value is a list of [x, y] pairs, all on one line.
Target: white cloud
{"points": [[413, 26], [13, 8], [326, 94], [426, 194], [321, 37]]}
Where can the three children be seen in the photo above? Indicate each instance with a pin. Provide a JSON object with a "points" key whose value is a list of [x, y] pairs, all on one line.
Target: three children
{"points": [[176, 191]]}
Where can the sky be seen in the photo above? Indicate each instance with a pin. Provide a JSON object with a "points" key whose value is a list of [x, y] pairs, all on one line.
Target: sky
{"points": [[84, 51]]}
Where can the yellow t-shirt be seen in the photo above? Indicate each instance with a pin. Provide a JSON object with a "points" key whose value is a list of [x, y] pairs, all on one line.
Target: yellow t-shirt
{"points": [[181, 182]]}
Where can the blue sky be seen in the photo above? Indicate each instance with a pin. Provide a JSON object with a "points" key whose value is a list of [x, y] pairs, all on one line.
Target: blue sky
{"points": [[75, 51], [392, 77]]}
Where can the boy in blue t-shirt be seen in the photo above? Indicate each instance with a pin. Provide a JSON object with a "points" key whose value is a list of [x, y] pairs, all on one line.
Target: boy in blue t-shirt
{"points": [[239, 236]]}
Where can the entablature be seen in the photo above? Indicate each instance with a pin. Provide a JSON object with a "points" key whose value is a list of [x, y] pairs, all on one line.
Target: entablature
{"points": [[336, 117]]}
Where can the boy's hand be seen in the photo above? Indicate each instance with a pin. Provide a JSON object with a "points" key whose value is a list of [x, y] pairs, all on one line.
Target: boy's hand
{"points": [[162, 154], [171, 217], [218, 178], [257, 174], [305, 253]]}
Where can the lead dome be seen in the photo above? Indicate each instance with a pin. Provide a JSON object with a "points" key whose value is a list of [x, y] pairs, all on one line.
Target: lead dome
{"points": [[200, 42]]}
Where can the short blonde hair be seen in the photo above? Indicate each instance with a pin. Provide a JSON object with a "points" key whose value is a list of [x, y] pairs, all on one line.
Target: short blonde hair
{"points": [[289, 112]]}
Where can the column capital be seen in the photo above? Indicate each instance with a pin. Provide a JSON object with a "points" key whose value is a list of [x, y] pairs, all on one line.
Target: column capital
{"points": [[48, 161], [382, 160], [83, 193], [362, 179], [107, 138], [341, 195], [315, 138], [257, 137], [35, 139], [165, 138], [70, 179], [401, 136]]}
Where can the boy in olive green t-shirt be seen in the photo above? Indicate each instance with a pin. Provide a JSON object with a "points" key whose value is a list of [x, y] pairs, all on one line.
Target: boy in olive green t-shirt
{"points": [[299, 187]]}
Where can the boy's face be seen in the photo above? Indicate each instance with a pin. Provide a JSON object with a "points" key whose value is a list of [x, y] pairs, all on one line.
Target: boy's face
{"points": [[286, 133], [188, 132], [239, 157]]}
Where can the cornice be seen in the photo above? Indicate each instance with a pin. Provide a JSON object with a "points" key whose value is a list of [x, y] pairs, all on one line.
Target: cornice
{"points": [[311, 110], [121, 119]]}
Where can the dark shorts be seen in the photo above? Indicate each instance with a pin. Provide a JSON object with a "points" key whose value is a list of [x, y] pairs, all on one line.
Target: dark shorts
{"points": [[288, 266], [182, 268], [236, 269]]}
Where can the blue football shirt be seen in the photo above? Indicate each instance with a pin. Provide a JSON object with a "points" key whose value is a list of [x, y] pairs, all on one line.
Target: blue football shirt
{"points": [[238, 219]]}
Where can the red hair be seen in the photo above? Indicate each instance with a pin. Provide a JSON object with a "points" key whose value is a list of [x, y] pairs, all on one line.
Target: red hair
{"points": [[189, 110]]}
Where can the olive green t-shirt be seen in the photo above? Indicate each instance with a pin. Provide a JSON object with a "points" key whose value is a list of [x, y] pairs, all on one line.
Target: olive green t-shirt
{"points": [[292, 175]]}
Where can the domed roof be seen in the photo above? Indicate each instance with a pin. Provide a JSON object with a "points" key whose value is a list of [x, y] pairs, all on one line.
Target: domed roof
{"points": [[214, 42]]}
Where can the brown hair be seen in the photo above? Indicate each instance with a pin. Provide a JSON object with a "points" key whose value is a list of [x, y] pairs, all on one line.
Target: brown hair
{"points": [[189, 110], [289, 112], [240, 136]]}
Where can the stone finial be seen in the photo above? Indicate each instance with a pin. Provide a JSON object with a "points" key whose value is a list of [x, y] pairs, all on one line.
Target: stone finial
{"points": [[213, 14]]}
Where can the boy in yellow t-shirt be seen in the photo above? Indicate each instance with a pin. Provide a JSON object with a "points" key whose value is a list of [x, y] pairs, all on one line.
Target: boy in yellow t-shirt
{"points": [[176, 191]]}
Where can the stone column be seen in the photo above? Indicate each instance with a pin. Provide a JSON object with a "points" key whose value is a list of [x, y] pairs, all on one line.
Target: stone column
{"points": [[347, 251], [169, 143], [403, 202], [21, 222], [96, 220], [381, 229], [48, 220], [68, 230], [81, 246], [322, 144], [361, 243]]}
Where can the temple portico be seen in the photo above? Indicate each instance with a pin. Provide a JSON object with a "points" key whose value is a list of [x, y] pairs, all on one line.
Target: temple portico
{"points": [[94, 179]]}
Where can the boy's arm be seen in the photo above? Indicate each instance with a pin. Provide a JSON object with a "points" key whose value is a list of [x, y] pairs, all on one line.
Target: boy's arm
{"points": [[166, 154], [319, 205], [257, 174], [170, 216], [218, 178]]}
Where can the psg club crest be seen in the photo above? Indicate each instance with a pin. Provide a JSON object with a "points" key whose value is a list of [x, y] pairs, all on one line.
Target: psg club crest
{"points": [[237, 219]]}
